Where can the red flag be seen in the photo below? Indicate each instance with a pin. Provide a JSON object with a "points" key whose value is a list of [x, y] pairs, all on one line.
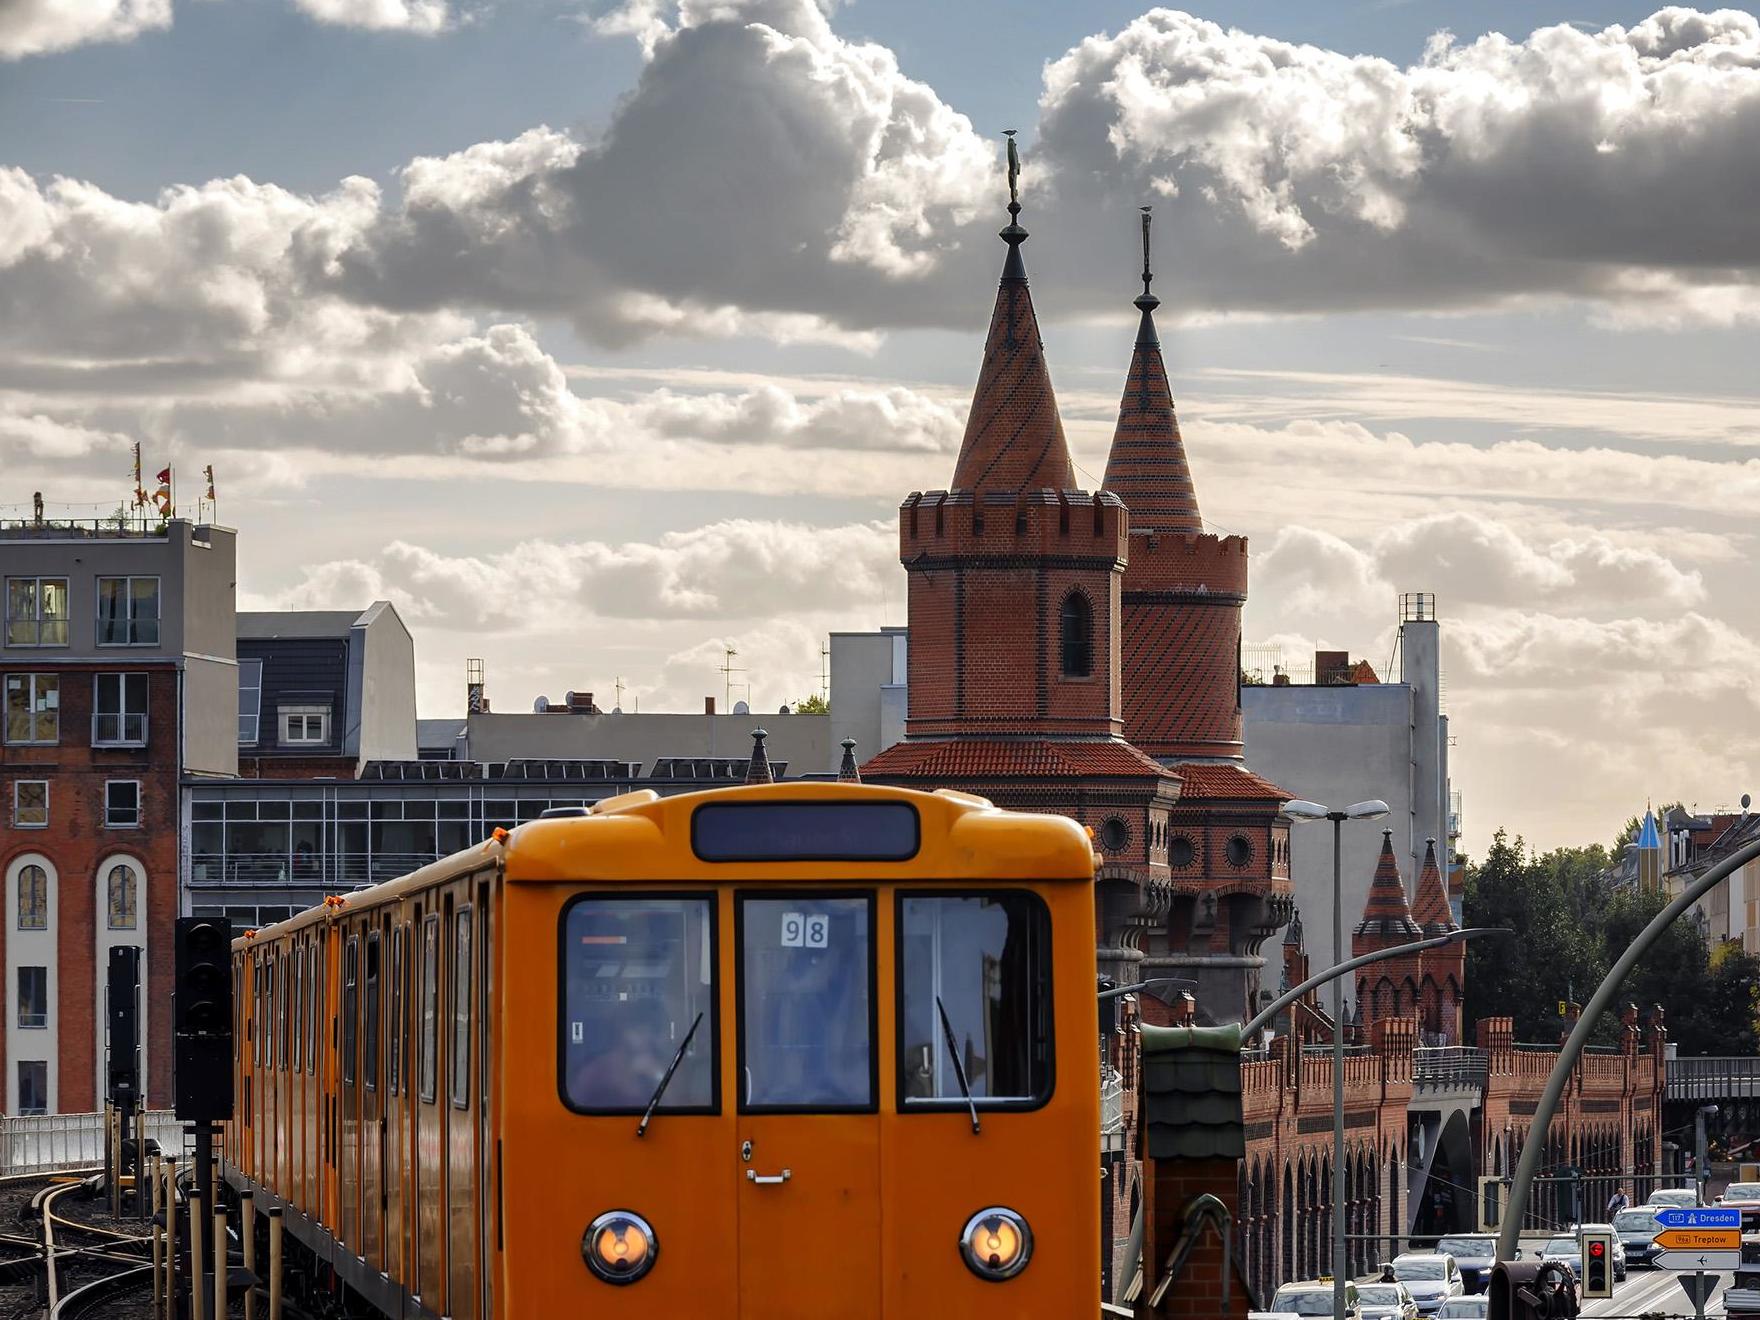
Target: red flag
{"points": [[164, 478]]}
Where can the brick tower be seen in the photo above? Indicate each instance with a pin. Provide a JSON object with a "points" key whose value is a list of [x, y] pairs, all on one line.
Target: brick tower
{"points": [[1445, 969], [1227, 848], [1014, 580], [1387, 989]]}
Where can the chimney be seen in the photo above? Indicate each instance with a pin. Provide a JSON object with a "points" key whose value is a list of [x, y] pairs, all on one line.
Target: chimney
{"points": [[708, 705], [1332, 667]]}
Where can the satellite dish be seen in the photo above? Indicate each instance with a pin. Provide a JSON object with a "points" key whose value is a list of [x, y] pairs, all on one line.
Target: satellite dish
{"points": [[1747, 801], [784, 710], [568, 697], [741, 708], [617, 710], [541, 705]]}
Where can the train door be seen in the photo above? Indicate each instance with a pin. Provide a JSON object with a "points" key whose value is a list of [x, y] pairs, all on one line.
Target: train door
{"points": [[349, 1170], [430, 1166], [809, 1127], [283, 1078], [296, 1091], [462, 1104], [372, 1110], [396, 1130], [260, 1100], [485, 1096]]}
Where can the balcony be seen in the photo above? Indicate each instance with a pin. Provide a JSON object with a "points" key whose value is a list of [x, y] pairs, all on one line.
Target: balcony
{"points": [[117, 730]]}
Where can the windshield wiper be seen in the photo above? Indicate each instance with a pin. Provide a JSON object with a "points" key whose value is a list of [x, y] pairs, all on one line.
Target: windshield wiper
{"points": [[959, 1069], [666, 1077]]}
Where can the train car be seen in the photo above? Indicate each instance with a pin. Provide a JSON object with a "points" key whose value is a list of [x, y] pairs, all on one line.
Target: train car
{"points": [[787, 1050]]}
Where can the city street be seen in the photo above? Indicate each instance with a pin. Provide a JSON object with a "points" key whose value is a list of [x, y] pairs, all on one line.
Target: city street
{"points": [[1652, 1291]]}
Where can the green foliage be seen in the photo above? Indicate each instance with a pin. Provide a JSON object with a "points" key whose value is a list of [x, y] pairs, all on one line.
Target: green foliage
{"points": [[1570, 926], [813, 705]]}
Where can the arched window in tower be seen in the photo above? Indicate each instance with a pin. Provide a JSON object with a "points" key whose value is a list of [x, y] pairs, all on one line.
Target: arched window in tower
{"points": [[119, 898], [33, 898], [1078, 636]]}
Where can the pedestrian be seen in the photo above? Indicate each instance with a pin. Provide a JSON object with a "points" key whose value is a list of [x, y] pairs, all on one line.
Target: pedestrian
{"points": [[1616, 1203]]}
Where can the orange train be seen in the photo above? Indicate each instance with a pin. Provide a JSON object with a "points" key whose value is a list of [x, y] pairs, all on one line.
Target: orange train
{"points": [[794, 1050]]}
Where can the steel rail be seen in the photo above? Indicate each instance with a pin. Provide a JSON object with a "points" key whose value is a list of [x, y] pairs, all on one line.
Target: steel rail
{"points": [[1516, 1205], [83, 1301]]}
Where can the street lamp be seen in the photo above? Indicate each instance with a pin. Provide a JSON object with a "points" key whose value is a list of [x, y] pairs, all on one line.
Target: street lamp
{"points": [[1299, 812]]}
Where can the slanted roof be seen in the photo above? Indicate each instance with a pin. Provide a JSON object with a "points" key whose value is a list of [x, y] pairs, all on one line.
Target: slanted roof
{"points": [[1387, 913], [1432, 910], [289, 625], [1192, 1092], [1226, 780], [972, 758], [1648, 836]]}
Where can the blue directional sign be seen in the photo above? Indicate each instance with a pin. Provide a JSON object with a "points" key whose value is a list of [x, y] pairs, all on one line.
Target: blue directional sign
{"points": [[1702, 1217]]}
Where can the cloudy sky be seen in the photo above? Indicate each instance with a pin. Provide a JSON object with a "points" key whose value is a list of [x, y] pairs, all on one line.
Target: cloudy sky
{"points": [[602, 335]]}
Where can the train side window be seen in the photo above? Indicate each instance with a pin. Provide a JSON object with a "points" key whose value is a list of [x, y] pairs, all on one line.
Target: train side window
{"points": [[806, 1003], [394, 1029], [312, 1016], [297, 1007], [982, 961], [430, 1007], [461, 1010], [256, 1010], [269, 1013], [286, 1013], [637, 974], [351, 957], [370, 1058]]}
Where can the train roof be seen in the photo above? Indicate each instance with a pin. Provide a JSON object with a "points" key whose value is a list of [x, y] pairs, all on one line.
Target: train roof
{"points": [[641, 837]]}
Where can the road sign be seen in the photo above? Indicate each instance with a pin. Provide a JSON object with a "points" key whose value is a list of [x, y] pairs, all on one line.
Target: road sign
{"points": [[1698, 1288], [1700, 1239], [1700, 1217], [1697, 1260]]}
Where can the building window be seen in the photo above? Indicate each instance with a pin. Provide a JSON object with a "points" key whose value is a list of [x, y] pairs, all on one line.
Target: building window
{"points": [[33, 708], [36, 611], [1181, 851], [122, 804], [33, 898], [1239, 851], [128, 611], [33, 997], [1114, 834], [119, 898], [33, 1086], [1078, 636], [304, 725], [30, 804], [119, 710], [250, 700]]}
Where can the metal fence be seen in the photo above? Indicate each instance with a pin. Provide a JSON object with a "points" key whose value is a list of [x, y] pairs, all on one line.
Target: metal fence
{"points": [[1713, 1078], [32, 1142], [1449, 1066]]}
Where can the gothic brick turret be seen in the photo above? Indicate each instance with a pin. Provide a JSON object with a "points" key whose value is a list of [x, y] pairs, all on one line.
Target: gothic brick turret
{"points": [[1390, 988], [1445, 969]]}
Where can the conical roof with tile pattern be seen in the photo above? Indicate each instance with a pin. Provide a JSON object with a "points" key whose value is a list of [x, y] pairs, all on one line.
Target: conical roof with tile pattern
{"points": [[1387, 913]]}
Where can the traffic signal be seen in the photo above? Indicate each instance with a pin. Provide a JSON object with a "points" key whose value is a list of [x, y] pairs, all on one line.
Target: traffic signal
{"points": [[122, 1011], [1531, 1290], [1597, 1249], [1490, 1203], [201, 1017]]}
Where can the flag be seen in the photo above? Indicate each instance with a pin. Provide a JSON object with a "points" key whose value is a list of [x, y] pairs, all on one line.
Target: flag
{"points": [[209, 473], [162, 496], [164, 477], [140, 494]]}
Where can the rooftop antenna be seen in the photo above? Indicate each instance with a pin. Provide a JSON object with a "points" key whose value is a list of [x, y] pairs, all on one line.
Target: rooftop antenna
{"points": [[727, 672], [618, 684], [825, 670]]}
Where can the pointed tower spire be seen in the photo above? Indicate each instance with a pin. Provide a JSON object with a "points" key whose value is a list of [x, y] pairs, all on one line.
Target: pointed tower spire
{"points": [[847, 772], [1147, 467], [1014, 435], [1387, 914], [758, 770], [1432, 910]]}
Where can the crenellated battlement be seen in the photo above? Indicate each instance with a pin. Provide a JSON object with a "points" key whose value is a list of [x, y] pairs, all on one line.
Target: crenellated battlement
{"points": [[1042, 524], [1199, 563]]}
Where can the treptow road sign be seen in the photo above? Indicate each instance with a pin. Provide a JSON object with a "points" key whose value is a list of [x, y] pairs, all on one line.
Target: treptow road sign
{"points": [[1697, 1260], [1699, 1217], [1700, 1239]]}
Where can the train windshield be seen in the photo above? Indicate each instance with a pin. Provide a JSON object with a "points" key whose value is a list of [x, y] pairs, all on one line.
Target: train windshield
{"points": [[976, 967], [637, 972]]}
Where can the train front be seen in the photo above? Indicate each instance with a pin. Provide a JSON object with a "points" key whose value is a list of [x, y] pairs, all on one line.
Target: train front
{"points": [[801, 1050]]}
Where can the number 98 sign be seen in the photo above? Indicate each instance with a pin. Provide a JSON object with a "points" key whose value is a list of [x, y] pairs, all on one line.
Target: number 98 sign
{"points": [[805, 930]]}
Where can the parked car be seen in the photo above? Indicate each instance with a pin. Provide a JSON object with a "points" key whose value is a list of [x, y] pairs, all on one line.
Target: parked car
{"points": [[1433, 1277], [1387, 1301], [1669, 1198], [1619, 1248], [1314, 1298], [1475, 1253], [1464, 1308], [1743, 1196], [1567, 1250], [1637, 1229]]}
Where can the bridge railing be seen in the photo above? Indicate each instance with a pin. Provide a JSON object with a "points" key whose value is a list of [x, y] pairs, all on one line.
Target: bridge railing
{"points": [[32, 1142], [1452, 1066], [1713, 1078]]}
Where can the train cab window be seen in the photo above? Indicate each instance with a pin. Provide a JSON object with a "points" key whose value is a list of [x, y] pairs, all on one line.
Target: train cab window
{"points": [[461, 1010], [982, 961], [351, 959], [806, 1003], [638, 976], [370, 1056], [430, 1007]]}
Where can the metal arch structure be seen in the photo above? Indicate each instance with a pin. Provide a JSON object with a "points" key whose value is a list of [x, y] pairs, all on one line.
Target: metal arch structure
{"points": [[1516, 1207]]}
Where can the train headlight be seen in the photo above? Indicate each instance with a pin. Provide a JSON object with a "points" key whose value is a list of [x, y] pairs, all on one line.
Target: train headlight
{"points": [[996, 1244], [619, 1246]]}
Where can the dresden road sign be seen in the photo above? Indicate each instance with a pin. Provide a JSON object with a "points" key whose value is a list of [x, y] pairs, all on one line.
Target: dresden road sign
{"points": [[1700, 1239], [1698, 1217], [1697, 1260]]}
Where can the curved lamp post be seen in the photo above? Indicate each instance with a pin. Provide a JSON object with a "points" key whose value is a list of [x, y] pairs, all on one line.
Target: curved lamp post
{"points": [[1516, 1208]]}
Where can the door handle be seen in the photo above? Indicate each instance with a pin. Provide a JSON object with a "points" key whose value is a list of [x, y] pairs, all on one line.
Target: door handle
{"points": [[768, 1179]]}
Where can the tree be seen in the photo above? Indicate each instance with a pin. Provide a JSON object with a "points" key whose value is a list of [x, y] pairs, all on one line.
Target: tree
{"points": [[813, 705]]}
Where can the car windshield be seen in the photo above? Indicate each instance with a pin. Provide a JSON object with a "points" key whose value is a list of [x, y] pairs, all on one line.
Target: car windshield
{"points": [[1635, 1221], [1380, 1294], [1673, 1196], [1471, 1247], [1462, 1308], [1309, 1302], [1421, 1269], [1742, 1192], [1566, 1246]]}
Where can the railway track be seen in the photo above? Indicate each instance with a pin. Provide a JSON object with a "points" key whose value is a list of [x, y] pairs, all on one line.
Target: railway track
{"points": [[50, 1256]]}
